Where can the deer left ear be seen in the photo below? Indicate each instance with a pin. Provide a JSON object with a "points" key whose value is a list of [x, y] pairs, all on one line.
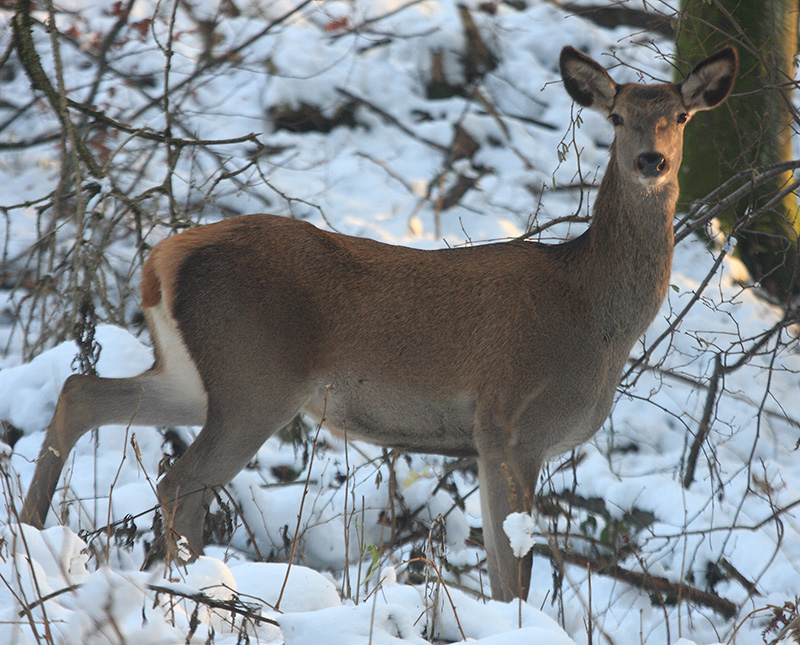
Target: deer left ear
{"points": [[586, 81], [711, 80]]}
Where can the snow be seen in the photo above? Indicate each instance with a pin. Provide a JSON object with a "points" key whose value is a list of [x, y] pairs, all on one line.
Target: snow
{"points": [[621, 494], [518, 527]]}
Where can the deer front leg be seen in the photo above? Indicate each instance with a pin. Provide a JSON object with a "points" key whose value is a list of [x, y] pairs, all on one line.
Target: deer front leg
{"points": [[507, 479]]}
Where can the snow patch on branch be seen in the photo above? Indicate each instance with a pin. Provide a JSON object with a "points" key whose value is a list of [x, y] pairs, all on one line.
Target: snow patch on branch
{"points": [[519, 529]]}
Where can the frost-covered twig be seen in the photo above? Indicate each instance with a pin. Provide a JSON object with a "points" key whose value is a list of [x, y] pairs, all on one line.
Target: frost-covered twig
{"points": [[232, 605]]}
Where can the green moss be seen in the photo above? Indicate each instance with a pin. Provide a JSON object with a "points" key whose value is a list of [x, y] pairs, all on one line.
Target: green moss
{"points": [[751, 130]]}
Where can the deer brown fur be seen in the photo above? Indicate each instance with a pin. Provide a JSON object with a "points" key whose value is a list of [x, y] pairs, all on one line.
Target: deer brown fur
{"points": [[510, 352]]}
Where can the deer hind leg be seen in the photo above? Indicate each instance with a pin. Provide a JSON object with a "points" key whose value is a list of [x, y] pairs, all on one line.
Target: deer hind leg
{"points": [[169, 393], [86, 402], [242, 415]]}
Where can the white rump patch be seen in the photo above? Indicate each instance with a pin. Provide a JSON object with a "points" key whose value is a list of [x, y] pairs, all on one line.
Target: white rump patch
{"points": [[176, 363]]}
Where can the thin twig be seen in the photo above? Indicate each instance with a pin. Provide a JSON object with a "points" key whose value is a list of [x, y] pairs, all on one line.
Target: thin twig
{"points": [[303, 501]]}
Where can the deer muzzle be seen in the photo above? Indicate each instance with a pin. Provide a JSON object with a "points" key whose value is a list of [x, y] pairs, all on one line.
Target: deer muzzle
{"points": [[651, 164]]}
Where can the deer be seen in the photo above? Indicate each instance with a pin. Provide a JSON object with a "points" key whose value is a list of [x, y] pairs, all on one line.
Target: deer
{"points": [[508, 352]]}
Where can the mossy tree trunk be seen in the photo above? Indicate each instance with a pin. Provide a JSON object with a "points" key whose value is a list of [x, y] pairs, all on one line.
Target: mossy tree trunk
{"points": [[753, 130]]}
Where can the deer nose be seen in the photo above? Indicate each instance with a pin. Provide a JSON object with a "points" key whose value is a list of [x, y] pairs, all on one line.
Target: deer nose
{"points": [[651, 164]]}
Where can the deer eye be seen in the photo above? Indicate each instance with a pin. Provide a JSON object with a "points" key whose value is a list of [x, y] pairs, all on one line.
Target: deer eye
{"points": [[615, 119], [683, 117]]}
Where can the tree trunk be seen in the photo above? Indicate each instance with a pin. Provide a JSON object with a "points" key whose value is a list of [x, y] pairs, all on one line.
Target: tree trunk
{"points": [[753, 130]]}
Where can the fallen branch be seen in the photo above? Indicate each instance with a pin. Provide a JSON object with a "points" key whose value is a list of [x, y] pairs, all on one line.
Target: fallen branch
{"points": [[648, 582]]}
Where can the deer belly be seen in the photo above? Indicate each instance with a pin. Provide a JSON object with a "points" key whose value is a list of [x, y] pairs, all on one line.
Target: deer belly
{"points": [[396, 417]]}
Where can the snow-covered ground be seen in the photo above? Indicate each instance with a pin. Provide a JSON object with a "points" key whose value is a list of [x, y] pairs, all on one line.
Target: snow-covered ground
{"points": [[733, 534]]}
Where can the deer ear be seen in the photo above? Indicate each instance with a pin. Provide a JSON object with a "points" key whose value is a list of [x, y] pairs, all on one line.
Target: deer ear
{"points": [[711, 80], [586, 81]]}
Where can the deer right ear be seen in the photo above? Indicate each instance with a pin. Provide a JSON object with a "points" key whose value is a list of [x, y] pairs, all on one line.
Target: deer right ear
{"points": [[711, 80], [586, 81]]}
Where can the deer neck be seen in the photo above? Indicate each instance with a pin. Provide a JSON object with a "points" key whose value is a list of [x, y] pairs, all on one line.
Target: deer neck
{"points": [[629, 214], [629, 250]]}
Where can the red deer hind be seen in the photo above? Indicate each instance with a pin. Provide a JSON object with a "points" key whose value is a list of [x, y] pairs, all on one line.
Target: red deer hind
{"points": [[510, 352]]}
